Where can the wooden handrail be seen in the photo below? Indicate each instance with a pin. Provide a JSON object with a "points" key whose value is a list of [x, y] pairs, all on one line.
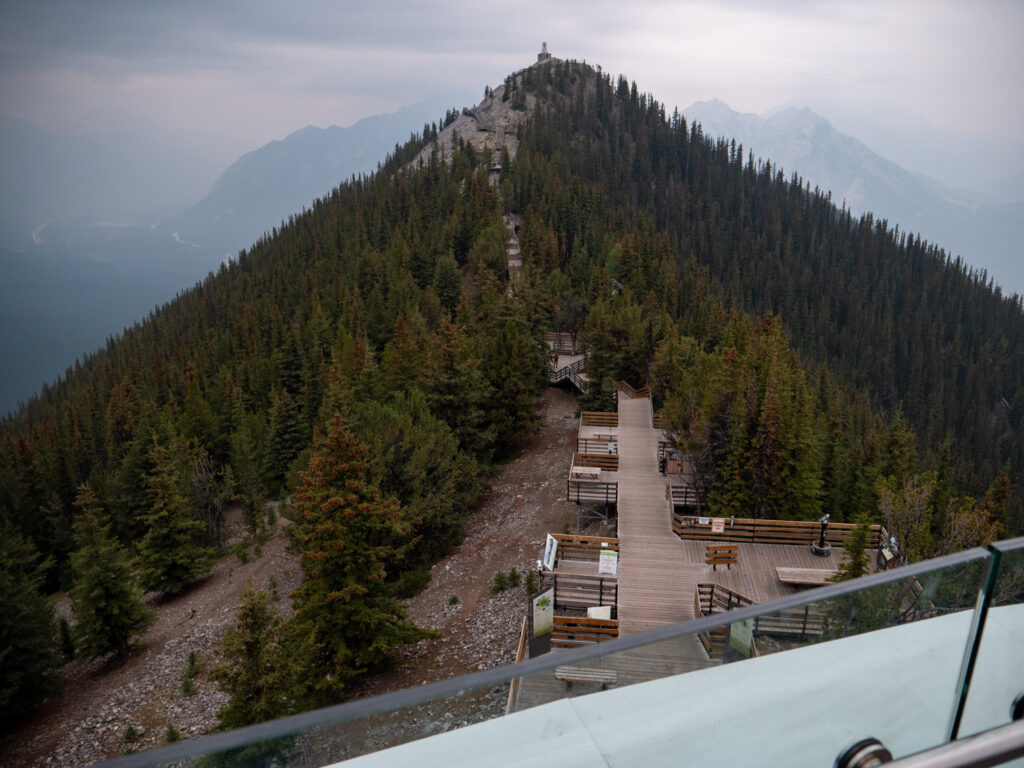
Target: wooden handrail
{"points": [[633, 394], [757, 531]]}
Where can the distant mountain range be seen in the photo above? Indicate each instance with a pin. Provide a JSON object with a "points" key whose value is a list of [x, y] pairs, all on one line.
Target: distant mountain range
{"points": [[82, 278], [963, 222], [265, 186]]}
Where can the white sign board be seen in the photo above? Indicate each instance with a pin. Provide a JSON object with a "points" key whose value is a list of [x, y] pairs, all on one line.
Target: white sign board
{"points": [[550, 552], [608, 562], [544, 613], [599, 612], [703, 520], [718, 525]]}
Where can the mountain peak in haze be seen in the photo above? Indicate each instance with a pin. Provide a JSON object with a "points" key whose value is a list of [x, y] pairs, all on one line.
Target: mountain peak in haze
{"points": [[799, 140]]}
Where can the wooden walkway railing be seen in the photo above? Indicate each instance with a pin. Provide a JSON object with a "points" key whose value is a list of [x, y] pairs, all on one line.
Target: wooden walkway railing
{"points": [[606, 461], [580, 591], [711, 599], [604, 445], [572, 632], [768, 531], [561, 342], [573, 372], [801, 623], [588, 548], [599, 419], [592, 492], [633, 394]]}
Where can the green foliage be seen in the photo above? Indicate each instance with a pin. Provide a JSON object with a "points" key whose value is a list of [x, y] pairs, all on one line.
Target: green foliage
{"points": [[188, 686], [106, 599], [453, 600], [856, 563], [171, 554], [172, 734], [349, 539], [503, 581], [530, 583], [256, 671], [131, 735], [29, 660], [500, 583], [192, 664]]}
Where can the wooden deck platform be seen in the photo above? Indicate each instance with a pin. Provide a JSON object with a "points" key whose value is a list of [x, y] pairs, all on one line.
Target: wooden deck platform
{"points": [[658, 572]]}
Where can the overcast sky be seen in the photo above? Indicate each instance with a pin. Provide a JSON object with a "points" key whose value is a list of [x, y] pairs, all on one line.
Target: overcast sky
{"points": [[238, 73]]}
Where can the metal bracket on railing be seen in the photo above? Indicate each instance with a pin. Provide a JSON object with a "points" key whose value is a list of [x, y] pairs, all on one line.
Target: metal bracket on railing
{"points": [[866, 753], [995, 747]]}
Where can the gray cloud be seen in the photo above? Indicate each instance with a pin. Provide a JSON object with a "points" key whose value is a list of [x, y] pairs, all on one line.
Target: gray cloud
{"points": [[251, 71]]}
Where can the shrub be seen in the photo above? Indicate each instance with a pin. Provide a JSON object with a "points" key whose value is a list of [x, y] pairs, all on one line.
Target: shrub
{"points": [[172, 735], [131, 735], [453, 600], [531, 585]]}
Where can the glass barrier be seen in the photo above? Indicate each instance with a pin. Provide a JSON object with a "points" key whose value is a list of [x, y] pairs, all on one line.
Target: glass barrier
{"points": [[787, 682], [997, 678]]}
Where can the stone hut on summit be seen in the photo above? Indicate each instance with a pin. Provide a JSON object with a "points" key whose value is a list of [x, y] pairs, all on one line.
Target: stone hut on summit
{"points": [[544, 54]]}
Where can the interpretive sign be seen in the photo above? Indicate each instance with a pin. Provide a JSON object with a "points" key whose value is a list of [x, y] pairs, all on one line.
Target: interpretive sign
{"points": [[544, 613], [608, 562], [718, 525], [550, 552], [741, 635]]}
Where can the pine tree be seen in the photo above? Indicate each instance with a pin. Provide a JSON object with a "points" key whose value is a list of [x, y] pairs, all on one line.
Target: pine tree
{"points": [[350, 540], [855, 564], [171, 554], [105, 597], [28, 651], [256, 672]]}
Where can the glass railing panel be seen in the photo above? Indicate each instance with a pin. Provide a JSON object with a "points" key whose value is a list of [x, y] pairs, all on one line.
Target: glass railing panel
{"points": [[998, 675], [878, 656]]}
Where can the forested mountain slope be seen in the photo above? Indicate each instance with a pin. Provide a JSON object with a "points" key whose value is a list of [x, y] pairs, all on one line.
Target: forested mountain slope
{"points": [[382, 321]]}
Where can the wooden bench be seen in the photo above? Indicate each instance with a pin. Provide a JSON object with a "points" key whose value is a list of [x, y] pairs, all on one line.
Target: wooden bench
{"points": [[572, 632], [804, 577], [570, 675], [721, 554]]}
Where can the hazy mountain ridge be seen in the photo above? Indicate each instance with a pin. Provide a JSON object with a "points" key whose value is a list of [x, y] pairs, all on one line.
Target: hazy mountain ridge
{"points": [[987, 235], [265, 186], [55, 313]]}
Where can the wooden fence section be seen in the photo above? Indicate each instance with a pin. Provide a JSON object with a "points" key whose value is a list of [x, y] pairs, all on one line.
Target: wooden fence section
{"points": [[597, 445], [579, 591], [599, 419], [592, 492], [561, 342], [685, 497], [633, 394], [575, 547], [801, 623], [571, 632], [794, 532], [711, 599], [606, 461]]}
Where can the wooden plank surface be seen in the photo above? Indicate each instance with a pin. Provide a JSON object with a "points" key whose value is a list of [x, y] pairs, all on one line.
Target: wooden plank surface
{"points": [[808, 576]]}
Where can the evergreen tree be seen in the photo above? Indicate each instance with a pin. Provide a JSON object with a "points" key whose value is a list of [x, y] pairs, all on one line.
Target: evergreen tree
{"points": [[256, 671], [350, 541], [855, 564], [28, 651], [105, 597], [171, 554]]}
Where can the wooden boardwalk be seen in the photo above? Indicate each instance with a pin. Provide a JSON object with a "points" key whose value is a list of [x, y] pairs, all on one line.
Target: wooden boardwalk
{"points": [[656, 572]]}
